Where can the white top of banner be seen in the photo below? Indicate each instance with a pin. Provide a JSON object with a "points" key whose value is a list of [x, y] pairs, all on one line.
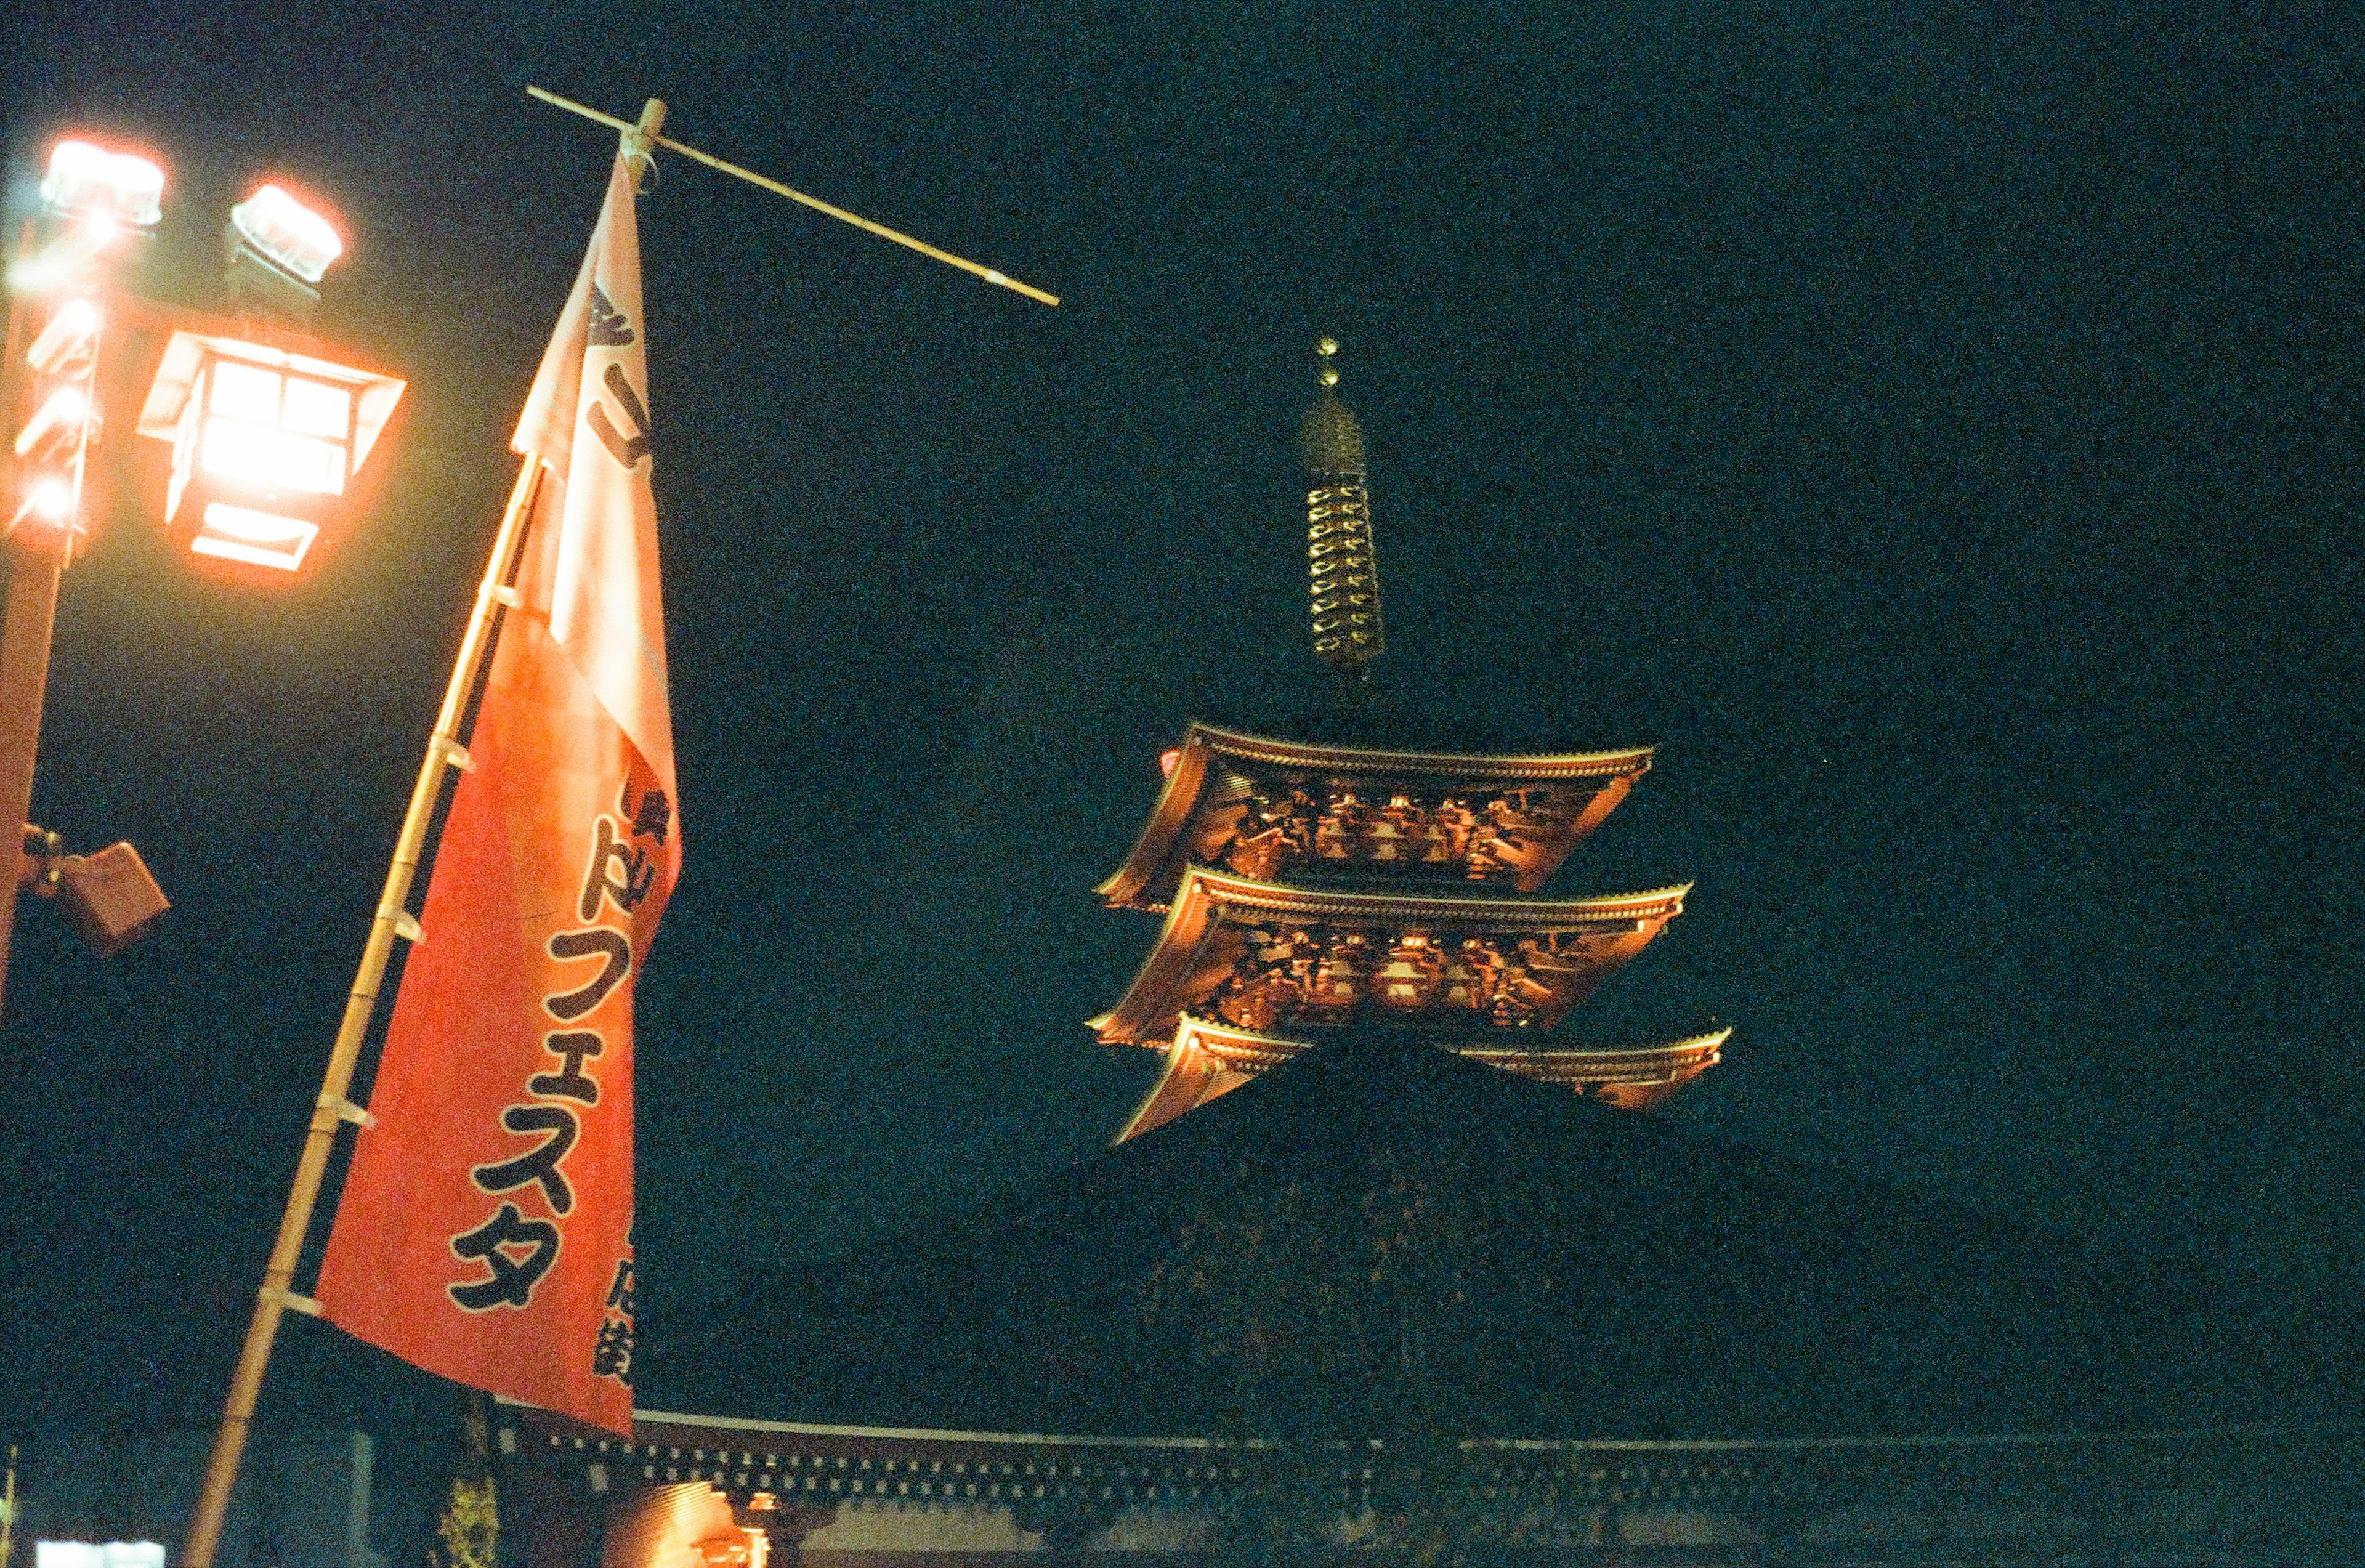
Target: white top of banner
{"points": [[587, 417]]}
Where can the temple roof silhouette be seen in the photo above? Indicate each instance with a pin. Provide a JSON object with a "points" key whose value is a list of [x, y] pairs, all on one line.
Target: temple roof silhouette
{"points": [[1382, 1236]]}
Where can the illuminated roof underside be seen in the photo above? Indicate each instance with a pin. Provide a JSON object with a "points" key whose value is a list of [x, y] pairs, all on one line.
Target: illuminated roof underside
{"points": [[1271, 809], [1207, 1059], [1267, 958]]}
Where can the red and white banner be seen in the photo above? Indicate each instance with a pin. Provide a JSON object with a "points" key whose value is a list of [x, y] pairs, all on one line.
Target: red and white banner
{"points": [[485, 1231]]}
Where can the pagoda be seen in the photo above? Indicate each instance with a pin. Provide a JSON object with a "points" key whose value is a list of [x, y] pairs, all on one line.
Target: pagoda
{"points": [[1393, 1309], [1307, 887]]}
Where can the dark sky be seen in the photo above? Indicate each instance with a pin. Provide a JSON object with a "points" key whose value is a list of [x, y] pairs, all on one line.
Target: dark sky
{"points": [[1936, 427]]}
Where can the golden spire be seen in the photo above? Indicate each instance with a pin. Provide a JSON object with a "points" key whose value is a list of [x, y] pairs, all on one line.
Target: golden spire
{"points": [[1344, 577]]}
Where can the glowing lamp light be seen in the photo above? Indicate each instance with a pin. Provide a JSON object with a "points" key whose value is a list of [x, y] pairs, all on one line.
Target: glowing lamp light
{"points": [[270, 430], [58, 421], [266, 444], [286, 233], [48, 500], [87, 179], [71, 336]]}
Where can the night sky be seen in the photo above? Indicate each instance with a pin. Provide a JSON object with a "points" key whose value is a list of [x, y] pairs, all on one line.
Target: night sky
{"points": [[1935, 427]]}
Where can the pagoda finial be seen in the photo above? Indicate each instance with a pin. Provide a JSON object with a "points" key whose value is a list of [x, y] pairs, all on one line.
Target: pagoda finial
{"points": [[1343, 579]]}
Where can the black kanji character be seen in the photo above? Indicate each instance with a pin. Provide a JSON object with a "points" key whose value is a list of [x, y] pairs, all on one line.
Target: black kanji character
{"points": [[620, 869], [620, 1295], [571, 1082], [539, 1164], [611, 327], [627, 451], [568, 1006], [613, 1356], [513, 1278], [651, 818]]}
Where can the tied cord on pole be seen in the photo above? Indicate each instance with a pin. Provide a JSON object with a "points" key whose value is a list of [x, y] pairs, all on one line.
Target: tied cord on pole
{"points": [[639, 149]]}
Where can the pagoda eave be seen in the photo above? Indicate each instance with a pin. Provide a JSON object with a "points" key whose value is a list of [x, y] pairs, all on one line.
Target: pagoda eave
{"points": [[1495, 767], [1633, 1078], [1201, 809], [1207, 1059], [1456, 958]]}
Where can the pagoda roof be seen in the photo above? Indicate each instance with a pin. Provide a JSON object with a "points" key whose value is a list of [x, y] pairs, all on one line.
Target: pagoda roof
{"points": [[1199, 813], [1208, 1058], [1257, 955]]}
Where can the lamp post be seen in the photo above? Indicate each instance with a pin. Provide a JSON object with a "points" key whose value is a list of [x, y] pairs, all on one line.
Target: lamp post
{"points": [[56, 318], [268, 429]]}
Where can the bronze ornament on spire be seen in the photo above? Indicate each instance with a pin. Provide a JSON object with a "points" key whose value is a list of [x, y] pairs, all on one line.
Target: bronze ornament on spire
{"points": [[1343, 571]]}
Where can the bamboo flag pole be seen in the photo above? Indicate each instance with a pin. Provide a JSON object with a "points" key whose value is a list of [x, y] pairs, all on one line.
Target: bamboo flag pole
{"points": [[865, 224], [393, 919]]}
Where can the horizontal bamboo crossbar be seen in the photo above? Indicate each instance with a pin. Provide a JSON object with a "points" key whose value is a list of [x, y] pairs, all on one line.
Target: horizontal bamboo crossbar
{"points": [[753, 178]]}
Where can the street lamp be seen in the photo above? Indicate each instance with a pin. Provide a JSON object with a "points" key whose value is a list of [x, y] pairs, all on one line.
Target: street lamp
{"points": [[268, 431]]}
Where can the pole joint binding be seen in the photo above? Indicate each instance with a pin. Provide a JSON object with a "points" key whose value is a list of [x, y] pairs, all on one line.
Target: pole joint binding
{"points": [[346, 1110], [290, 1301]]}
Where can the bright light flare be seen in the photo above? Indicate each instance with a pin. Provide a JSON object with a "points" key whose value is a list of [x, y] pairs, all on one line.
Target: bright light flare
{"points": [[48, 499], [275, 431], [86, 179], [64, 262], [272, 461], [286, 233], [256, 538]]}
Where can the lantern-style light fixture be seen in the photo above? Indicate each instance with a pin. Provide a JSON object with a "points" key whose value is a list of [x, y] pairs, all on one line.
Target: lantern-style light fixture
{"points": [[279, 247], [286, 233], [84, 179], [266, 441]]}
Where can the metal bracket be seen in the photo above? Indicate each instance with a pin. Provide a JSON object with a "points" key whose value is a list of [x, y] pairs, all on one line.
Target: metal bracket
{"points": [[346, 1111]]}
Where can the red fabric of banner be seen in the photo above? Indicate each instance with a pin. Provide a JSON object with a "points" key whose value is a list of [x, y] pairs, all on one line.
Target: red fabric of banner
{"points": [[485, 1229]]}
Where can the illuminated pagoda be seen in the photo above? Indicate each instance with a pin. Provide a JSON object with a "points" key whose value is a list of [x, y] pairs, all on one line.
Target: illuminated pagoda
{"points": [[1307, 887]]}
